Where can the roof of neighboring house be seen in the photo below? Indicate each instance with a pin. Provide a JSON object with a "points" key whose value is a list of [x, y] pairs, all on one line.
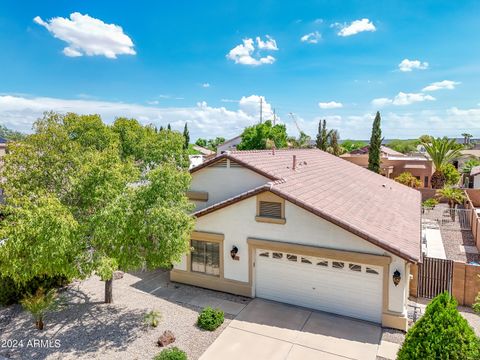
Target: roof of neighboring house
{"points": [[471, 152], [202, 150], [475, 171], [234, 141], [385, 150], [3, 141], [369, 205]]}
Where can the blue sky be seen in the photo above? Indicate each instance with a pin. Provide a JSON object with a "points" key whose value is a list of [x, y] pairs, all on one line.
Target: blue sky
{"points": [[208, 63]]}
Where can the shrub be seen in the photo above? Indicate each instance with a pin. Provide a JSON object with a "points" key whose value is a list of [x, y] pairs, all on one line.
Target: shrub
{"points": [[210, 319], [40, 304], [408, 179], [430, 203], [441, 333], [452, 176], [11, 292], [151, 318], [173, 353]]}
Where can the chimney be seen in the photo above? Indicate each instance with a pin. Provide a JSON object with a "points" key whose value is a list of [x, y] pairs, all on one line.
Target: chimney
{"points": [[294, 162]]}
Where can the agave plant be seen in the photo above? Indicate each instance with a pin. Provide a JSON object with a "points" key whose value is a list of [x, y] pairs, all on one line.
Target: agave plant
{"points": [[442, 151], [152, 318]]}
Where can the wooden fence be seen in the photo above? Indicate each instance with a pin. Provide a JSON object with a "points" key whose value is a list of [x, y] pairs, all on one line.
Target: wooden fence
{"points": [[434, 277], [473, 201]]}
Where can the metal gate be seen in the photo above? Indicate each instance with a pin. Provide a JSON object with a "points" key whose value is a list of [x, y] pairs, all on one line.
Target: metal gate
{"points": [[449, 219], [434, 277]]}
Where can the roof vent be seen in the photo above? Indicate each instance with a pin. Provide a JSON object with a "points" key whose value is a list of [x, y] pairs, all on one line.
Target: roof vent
{"points": [[294, 162]]}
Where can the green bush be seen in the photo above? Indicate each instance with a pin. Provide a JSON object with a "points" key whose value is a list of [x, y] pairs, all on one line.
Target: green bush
{"points": [[430, 203], [173, 353], [210, 319], [441, 333], [11, 293]]}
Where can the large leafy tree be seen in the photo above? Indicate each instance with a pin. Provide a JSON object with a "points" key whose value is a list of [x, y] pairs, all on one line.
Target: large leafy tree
{"points": [[9, 134], [375, 145], [262, 136], [442, 151], [78, 202]]}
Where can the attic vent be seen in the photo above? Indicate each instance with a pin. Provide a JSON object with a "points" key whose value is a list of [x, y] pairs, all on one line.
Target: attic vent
{"points": [[271, 209], [222, 163], [233, 164]]}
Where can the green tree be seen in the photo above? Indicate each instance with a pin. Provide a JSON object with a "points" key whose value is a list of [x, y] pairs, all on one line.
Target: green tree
{"points": [[404, 146], [408, 179], [452, 175], [11, 135], [425, 139], [201, 142], [469, 165], [186, 135], [466, 138], [302, 142], [375, 145], [441, 333], [351, 145], [94, 209], [257, 137], [169, 127], [334, 147], [442, 151], [323, 135], [452, 195]]}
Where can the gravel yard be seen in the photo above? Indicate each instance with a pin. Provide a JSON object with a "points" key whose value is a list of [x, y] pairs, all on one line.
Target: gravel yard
{"points": [[89, 329]]}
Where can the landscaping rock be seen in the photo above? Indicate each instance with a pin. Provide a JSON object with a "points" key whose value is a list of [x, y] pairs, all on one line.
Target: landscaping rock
{"points": [[166, 338], [117, 275]]}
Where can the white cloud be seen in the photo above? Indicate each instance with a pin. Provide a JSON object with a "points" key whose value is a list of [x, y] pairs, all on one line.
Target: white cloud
{"points": [[402, 99], [409, 65], [205, 85], [355, 27], [20, 112], [311, 38], [379, 102], [445, 84], [86, 35], [247, 54], [410, 98], [330, 105]]}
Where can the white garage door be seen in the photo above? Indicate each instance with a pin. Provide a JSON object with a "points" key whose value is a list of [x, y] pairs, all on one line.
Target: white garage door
{"points": [[340, 287]]}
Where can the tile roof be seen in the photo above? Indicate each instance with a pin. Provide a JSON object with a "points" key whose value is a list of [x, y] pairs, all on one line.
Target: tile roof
{"points": [[383, 149], [373, 207]]}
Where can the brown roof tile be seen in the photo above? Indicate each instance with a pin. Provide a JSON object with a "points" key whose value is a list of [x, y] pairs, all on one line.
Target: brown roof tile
{"points": [[373, 207]]}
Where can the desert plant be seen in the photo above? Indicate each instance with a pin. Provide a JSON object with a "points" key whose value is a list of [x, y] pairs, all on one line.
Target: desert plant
{"points": [[452, 175], [408, 179], [173, 353], [40, 304], [152, 318], [442, 151], [430, 203], [210, 319], [441, 333], [452, 195]]}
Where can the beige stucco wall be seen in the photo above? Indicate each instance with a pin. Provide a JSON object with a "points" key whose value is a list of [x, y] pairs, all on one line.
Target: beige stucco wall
{"points": [[237, 223], [223, 183]]}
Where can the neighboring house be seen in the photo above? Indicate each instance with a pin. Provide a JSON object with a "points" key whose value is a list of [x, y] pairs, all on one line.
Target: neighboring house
{"points": [[475, 174], [229, 145], [204, 151], [304, 227], [393, 163], [467, 155]]}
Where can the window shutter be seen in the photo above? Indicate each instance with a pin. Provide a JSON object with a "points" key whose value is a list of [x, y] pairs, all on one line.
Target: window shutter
{"points": [[271, 209]]}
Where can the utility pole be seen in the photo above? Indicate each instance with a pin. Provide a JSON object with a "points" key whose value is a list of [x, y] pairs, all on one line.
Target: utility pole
{"points": [[261, 109]]}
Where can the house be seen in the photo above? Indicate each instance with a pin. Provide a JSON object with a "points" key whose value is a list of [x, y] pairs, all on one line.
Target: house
{"points": [[229, 145], [306, 228], [393, 163], [475, 174]]}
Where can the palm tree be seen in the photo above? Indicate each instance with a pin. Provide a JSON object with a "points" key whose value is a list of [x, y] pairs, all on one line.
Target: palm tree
{"points": [[442, 151], [453, 196], [466, 138]]}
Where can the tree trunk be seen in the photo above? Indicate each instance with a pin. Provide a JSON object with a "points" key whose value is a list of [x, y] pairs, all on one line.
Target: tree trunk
{"points": [[39, 324], [438, 180], [109, 291]]}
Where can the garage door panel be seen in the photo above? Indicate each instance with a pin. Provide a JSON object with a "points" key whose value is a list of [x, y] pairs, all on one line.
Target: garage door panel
{"points": [[341, 291]]}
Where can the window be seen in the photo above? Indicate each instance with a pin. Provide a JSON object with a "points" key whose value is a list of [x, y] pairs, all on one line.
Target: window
{"points": [[205, 257], [425, 183], [291, 257], [277, 255], [355, 267], [306, 261], [323, 263], [371, 271], [264, 254], [270, 209], [338, 265]]}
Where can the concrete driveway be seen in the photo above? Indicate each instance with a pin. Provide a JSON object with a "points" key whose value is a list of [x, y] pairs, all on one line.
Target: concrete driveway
{"points": [[270, 330]]}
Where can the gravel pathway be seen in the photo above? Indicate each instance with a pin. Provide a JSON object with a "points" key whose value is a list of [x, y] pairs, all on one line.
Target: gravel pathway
{"points": [[89, 329]]}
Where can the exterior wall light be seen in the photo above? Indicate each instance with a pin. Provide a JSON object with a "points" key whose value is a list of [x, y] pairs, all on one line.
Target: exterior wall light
{"points": [[396, 277], [233, 252]]}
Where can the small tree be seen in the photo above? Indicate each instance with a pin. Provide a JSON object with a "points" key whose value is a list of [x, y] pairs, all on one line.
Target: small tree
{"points": [[452, 175], [452, 195], [441, 333], [408, 179], [40, 304], [334, 147], [323, 135], [375, 145], [186, 135]]}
